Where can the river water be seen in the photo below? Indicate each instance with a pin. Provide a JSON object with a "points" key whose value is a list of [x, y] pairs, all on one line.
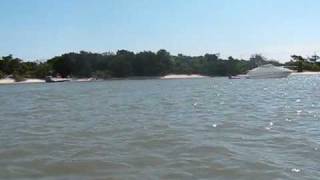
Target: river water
{"points": [[210, 128]]}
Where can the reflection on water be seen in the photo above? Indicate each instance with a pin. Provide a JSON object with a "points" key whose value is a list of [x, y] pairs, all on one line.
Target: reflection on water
{"points": [[162, 129]]}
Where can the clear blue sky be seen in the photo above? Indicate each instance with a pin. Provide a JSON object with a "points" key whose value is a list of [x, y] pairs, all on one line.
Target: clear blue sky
{"points": [[40, 29]]}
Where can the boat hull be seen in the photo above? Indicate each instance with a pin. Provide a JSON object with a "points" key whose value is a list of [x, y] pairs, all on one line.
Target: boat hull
{"points": [[269, 75], [56, 80]]}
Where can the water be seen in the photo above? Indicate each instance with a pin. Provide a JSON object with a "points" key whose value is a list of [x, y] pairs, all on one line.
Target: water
{"points": [[211, 128]]}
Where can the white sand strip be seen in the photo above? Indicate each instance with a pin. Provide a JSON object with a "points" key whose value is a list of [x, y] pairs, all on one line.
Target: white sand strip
{"points": [[7, 81], [306, 73], [12, 81], [32, 81]]}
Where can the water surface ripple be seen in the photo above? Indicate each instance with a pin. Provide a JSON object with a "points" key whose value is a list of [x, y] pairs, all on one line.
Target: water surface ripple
{"points": [[211, 128]]}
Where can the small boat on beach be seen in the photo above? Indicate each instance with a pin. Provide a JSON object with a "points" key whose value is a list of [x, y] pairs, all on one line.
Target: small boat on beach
{"points": [[234, 77], [84, 80], [50, 79], [238, 77]]}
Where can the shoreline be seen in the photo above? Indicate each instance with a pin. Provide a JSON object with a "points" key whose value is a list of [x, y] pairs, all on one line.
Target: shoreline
{"points": [[7, 81], [27, 81], [306, 73]]}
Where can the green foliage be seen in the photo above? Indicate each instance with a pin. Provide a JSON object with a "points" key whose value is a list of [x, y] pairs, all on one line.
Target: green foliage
{"points": [[314, 58], [41, 71], [102, 74], [300, 63], [17, 77], [9, 65], [1, 75], [126, 63]]}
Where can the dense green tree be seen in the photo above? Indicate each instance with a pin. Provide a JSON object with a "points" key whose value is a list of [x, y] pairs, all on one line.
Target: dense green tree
{"points": [[125, 63], [314, 58], [42, 70], [257, 60], [121, 64], [9, 65], [2, 75], [102, 74], [299, 61], [164, 60]]}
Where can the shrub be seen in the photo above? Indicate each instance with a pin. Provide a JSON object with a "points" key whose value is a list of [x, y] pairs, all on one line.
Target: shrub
{"points": [[102, 74], [18, 78], [1, 75]]}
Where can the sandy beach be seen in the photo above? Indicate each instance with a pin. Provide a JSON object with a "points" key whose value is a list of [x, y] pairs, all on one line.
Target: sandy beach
{"points": [[306, 73], [27, 81], [7, 81], [170, 76]]}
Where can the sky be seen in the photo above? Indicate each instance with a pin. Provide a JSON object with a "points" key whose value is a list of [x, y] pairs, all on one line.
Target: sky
{"points": [[41, 29]]}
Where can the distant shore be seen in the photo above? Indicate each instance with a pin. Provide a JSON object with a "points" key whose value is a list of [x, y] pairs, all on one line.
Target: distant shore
{"points": [[33, 81], [306, 73], [27, 81], [170, 76], [166, 77]]}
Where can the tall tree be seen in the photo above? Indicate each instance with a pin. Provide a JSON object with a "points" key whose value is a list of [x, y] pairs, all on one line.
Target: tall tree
{"points": [[299, 61]]}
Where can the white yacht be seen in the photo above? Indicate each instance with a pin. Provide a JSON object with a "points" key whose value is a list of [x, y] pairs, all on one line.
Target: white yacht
{"points": [[268, 71]]}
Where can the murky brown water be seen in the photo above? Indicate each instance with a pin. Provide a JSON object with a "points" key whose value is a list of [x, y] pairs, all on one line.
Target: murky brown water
{"points": [[211, 128]]}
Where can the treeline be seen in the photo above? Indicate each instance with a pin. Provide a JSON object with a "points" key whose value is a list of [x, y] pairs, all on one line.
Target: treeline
{"points": [[19, 69], [300, 63], [125, 63]]}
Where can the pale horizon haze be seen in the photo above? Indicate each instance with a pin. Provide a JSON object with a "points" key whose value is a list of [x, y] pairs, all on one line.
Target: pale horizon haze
{"points": [[41, 29]]}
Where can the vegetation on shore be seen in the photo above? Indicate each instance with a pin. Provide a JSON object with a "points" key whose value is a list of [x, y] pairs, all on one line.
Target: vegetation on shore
{"points": [[125, 63]]}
